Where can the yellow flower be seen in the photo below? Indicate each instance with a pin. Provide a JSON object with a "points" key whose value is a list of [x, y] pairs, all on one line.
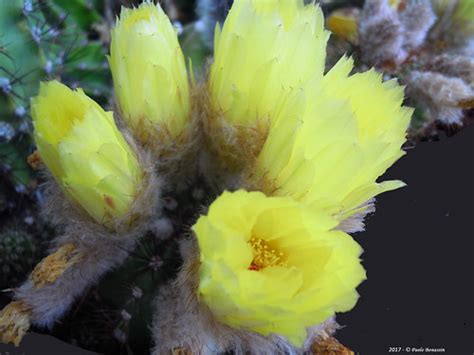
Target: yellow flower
{"points": [[270, 265], [460, 12], [333, 140], [394, 3], [265, 50], [463, 17], [86, 153], [321, 139], [343, 23], [149, 73]]}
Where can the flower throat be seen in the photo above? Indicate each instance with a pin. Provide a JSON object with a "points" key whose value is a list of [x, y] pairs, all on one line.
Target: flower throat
{"points": [[264, 255]]}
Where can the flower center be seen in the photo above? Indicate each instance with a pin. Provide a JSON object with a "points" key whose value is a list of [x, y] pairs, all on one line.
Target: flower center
{"points": [[264, 255]]}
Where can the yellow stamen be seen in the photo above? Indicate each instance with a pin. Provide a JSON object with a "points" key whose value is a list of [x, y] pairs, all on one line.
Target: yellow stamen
{"points": [[265, 255]]}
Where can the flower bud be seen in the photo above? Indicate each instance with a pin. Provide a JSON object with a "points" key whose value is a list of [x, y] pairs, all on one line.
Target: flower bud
{"points": [[149, 74], [86, 153], [343, 23]]}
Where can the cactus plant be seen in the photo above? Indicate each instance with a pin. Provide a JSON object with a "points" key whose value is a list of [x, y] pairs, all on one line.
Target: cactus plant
{"points": [[204, 194], [39, 40], [17, 256]]}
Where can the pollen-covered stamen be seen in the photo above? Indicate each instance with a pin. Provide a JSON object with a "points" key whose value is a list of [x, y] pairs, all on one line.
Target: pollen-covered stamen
{"points": [[264, 255]]}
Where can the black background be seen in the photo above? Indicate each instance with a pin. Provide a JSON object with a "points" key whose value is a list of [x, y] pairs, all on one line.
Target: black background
{"points": [[418, 256]]}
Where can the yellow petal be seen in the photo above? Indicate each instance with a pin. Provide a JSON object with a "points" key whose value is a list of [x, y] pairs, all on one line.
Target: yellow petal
{"points": [[347, 132], [265, 49]]}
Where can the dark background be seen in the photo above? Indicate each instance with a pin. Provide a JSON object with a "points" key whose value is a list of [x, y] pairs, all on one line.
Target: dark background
{"points": [[418, 256]]}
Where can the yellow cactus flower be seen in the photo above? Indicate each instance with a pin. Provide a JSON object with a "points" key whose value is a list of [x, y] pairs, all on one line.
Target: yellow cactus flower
{"points": [[86, 153], [345, 132], [344, 23], [463, 16], [460, 13], [265, 50], [395, 3], [271, 266], [149, 74]]}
